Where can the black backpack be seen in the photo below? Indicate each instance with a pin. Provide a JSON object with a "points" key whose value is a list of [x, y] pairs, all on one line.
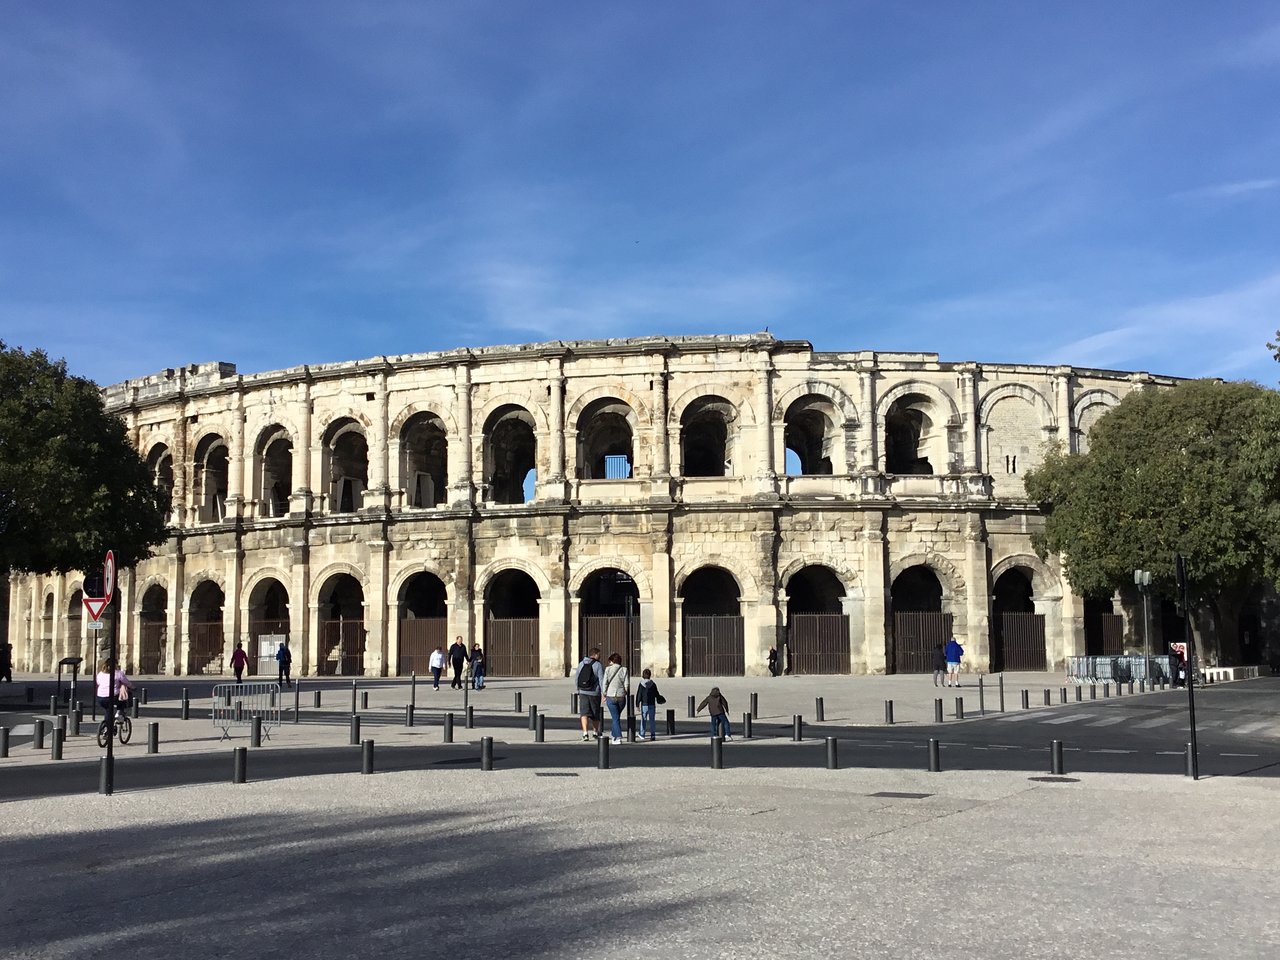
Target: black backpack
{"points": [[587, 675]]}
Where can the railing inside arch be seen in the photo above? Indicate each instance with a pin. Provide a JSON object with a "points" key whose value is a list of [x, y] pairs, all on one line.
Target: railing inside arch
{"points": [[1017, 642], [341, 648], [713, 646], [205, 649], [418, 637], [511, 647], [915, 636], [818, 643], [618, 635], [153, 638]]}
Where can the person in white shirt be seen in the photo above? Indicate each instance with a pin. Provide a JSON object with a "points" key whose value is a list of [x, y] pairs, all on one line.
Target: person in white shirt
{"points": [[437, 666]]}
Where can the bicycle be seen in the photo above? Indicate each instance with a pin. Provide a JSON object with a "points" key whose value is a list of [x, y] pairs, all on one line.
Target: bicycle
{"points": [[123, 727]]}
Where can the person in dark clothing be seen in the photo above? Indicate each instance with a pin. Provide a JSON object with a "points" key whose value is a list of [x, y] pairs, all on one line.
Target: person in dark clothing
{"points": [[939, 665], [284, 660], [239, 660], [718, 708], [6, 662], [773, 661], [457, 660], [477, 667], [647, 699]]}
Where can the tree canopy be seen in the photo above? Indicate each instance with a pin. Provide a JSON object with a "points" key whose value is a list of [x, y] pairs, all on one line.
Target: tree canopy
{"points": [[71, 483], [1188, 470]]}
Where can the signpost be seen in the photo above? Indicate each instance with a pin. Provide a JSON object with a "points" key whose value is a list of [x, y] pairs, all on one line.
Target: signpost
{"points": [[1180, 569], [96, 607]]}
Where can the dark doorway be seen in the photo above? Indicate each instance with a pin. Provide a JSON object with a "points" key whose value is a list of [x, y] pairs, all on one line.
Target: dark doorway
{"points": [[511, 623], [1017, 631], [1103, 628], [204, 627], [342, 633], [153, 630], [713, 636], [918, 621], [268, 625], [817, 629], [423, 622], [610, 617]]}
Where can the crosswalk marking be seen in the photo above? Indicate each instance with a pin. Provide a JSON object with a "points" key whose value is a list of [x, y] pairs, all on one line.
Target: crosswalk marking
{"points": [[1154, 722], [1253, 727], [1069, 718], [1108, 721], [1015, 717]]}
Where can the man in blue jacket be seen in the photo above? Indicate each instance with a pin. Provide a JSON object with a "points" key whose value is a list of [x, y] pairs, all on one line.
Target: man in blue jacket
{"points": [[953, 652]]}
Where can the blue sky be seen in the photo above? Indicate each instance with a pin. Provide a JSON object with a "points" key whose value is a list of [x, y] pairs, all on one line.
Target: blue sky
{"points": [[280, 183]]}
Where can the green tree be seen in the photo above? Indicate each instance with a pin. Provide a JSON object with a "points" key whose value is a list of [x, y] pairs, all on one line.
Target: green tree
{"points": [[1191, 470], [71, 483]]}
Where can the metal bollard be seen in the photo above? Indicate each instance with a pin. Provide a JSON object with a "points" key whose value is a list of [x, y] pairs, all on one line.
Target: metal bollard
{"points": [[471, 717], [408, 714], [573, 703], [297, 696], [366, 756], [1002, 693], [315, 699], [533, 716], [631, 728], [797, 727], [832, 762], [448, 728], [413, 689], [1048, 697], [717, 753], [1130, 688], [143, 690], [959, 708], [226, 699], [937, 710], [1106, 690], [1079, 693], [255, 732], [353, 696], [1193, 769], [4, 742], [106, 777], [671, 723], [486, 753], [1093, 691], [755, 704], [692, 709], [935, 757], [1055, 758], [1063, 697], [355, 730], [133, 711], [746, 726], [1142, 685], [540, 729], [241, 764], [602, 753], [1026, 700], [53, 704], [888, 711], [153, 737], [364, 699], [185, 712], [982, 700], [37, 736], [1119, 689], [77, 717], [55, 745], [518, 706], [819, 714]]}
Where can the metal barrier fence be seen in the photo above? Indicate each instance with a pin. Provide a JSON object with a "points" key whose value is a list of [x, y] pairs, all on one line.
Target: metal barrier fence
{"points": [[1120, 669], [236, 705]]}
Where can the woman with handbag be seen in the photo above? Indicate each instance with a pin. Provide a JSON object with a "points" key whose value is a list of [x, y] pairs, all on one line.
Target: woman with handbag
{"points": [[616, 682], [107, 672]]}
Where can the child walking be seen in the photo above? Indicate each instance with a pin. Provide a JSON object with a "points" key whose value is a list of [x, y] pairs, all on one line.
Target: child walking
{"points": [[718, 709], [647, 699]]}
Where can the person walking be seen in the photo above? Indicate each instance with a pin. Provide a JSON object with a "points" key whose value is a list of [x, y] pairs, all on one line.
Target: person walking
{"points": [[939, 665], [588, 682], [616, 682], [284, 660], [773, 661], [718, 709], [239, 660], [457, 660], [953, 653], [437, 666], [647, 699], [477, 667]]}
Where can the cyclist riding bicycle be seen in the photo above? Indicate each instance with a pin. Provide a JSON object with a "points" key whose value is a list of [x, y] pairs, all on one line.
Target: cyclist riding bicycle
{"points": [[123, 685]]}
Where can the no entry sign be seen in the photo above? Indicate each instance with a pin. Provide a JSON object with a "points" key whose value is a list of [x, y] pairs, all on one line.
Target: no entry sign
{"points": [[108, 576]]}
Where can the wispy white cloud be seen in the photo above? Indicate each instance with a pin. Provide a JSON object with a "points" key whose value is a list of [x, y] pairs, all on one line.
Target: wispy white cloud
{"points": [[1231, 189]]}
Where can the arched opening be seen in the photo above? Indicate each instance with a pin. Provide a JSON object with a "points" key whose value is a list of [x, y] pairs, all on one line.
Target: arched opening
{"points": [[1017, 631], [706, 440], [268, 625], [43, 655], [423, 615], [424, 454], [811, 436], [712, 621], [274, 461], [1103, 628], [160, 463], [510, 455], [342, 633], [913, 442], [511, 620], [610, 616], [153, 630], [206, 652], [605, 432], [210, 480], [817, 628], [76, 645], [346, 465], [919, 623]]}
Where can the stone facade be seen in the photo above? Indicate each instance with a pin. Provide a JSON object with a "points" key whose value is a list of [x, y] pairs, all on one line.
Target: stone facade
{"points": [[706, 493]]}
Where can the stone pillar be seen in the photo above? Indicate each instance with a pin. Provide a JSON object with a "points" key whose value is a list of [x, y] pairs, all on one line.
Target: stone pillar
{"points": [[574, 647], [1062, 408], [868, 435], [377, 655], [552, 488], [661, 445], [876, 592], [767, 633], [464, 609], [235, 454], [231, 599], [182, 468], [972, 455], [677, 637], [128, 626], [377, 496], [766, 474], [302, 636], [977, 595], [177, 648], [305, 457], [460, 453]]}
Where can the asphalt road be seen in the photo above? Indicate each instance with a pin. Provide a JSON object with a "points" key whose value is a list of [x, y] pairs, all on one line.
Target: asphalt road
{"points": [[1238, 731]]}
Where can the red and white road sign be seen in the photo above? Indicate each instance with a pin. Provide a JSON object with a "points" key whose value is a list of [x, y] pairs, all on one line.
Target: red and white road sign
{"points": [[95, 606], [108, 577]]}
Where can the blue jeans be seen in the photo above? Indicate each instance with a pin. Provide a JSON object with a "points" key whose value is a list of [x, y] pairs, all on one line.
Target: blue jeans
{"points": [[648, 720], [615, 714], [720, 722]]}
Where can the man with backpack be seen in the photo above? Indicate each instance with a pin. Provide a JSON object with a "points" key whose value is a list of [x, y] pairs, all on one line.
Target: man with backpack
{"points": [[588, 682]]}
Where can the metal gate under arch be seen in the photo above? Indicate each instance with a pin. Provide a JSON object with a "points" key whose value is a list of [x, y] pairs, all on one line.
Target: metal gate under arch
{"points": [[342, 645], [915, 634], [818, 643], [713, 647], [418, 637], [1017, 642], [618, 635], [511, 647]]}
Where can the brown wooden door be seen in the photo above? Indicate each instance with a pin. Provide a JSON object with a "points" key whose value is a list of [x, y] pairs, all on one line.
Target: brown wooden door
{"points": [[713, 647], [818, 643], [915, 635], [1017, 642], [511, 648], [418, 637]]}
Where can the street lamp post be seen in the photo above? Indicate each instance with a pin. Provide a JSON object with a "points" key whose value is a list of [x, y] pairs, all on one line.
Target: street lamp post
{"points": [[1142, 580]]}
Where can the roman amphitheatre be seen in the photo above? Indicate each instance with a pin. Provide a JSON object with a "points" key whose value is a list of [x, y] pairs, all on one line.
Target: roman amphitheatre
{"points": [[693, 500]]}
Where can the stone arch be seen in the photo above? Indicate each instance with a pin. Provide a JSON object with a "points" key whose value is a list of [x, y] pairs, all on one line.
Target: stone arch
{"points": [[907, 387], [1049, 419], [321, 577], [499, 564], [142, 586], [953, 586], [607, 428], [410, 410], [273, 460], [748, 586], [637, 573], [846, 574], [199, 577], [841, 400], [918, 423], [333, 416], [398, 582], [510, 453], [1085, 411], [210, 474], [534, 406], [574, 411], [258, 575], [734, 395], [1044, 582]]}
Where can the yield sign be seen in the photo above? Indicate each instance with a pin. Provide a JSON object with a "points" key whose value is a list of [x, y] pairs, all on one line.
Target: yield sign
{"points": [[95, 606]]}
